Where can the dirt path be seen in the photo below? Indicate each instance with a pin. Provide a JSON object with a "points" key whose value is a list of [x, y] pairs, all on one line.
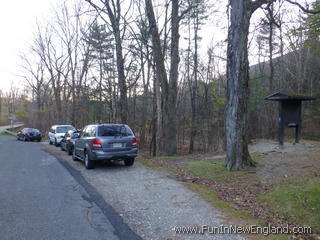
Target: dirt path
{"points": [[150, 202], [289, 160]]}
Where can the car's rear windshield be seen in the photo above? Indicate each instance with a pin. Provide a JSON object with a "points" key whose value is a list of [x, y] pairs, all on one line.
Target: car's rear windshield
{"points": [[31, 130], [114, 130], [64, 129]]}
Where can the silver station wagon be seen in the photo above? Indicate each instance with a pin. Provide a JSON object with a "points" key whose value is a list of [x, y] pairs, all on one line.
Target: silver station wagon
{"points": [[101, 142]]}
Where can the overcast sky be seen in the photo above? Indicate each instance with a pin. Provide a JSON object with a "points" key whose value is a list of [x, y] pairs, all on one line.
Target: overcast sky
{"points": [[17, 24]]}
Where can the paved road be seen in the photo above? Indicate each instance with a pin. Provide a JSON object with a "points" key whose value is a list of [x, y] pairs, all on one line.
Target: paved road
{"points": [[39, 199]]}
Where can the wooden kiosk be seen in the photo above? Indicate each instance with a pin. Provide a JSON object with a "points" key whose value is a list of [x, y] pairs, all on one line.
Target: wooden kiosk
{"points": [[289, 112]]}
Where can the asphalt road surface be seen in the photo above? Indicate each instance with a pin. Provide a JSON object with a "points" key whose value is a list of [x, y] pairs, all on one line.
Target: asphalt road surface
{"points": [[41, 199]]}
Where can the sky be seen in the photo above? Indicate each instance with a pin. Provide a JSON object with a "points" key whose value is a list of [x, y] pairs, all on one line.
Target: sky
{"points": [[18, 24]]}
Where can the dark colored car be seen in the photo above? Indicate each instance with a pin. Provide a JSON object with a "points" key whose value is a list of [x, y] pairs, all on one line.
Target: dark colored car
{"points": [[29, 134], [102, 142], [67, 142]]}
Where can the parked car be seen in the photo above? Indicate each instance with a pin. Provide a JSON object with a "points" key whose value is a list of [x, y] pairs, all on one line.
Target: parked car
{"points": [[29, 134], [57, 132], [67, 142], [100, 142]]}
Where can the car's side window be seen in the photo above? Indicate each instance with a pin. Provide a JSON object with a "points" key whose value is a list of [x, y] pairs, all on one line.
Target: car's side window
{"points": [[85, 132], [128, 131], [123, 131], [92, 131]]}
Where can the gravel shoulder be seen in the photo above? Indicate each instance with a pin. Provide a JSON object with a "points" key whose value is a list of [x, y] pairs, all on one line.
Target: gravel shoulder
{"points": [[149, 201]]}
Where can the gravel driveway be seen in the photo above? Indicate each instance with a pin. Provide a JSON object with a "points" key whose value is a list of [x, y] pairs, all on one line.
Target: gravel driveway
{"points": [[150, 202]]}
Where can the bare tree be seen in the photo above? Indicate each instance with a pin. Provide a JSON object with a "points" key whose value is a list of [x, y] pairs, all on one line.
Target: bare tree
{"points": [[35, 78], [55, 62], [113, 10], [70, 31], [169, 86]]}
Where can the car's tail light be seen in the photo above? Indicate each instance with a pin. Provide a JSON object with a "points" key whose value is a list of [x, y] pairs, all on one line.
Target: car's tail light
{"points": [[96, 143], [134, 142]]}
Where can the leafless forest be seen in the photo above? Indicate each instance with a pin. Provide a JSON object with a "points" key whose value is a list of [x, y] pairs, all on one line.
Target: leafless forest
{"points": [[144, 63]]}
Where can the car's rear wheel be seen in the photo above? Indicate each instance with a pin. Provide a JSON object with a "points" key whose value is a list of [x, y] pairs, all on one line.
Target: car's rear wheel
{"points": [[88, 162], [129, 161]]}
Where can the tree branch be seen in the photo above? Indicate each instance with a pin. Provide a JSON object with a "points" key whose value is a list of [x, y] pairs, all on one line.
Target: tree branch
{"points": [[184, 12], [258, 3], [98, 10], [306, 10], [271, 15]]}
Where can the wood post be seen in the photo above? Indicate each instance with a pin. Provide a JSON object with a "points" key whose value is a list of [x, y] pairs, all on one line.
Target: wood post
{"points": [[281, 125], [298, 133]]}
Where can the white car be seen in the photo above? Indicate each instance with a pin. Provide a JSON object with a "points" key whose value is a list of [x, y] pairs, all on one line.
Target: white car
{"points": [[57, 132]]}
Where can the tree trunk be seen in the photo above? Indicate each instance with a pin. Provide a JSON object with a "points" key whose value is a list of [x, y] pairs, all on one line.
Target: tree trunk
{"points": [[270, 40], [113, 10], [145, 94], [160, 71], [237, 86], [194, 85], [156, 121], [170, 137], [121, 77]]}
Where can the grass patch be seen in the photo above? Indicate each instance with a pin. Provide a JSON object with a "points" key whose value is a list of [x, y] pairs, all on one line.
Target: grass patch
{"points": [[6, 134], [166, 158], [148, 164], [299, 201], [154, 166], [214, 170]]}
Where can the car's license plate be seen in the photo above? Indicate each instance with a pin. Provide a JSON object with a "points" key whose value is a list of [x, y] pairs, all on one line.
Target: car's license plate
{"points": [[117, 145]]}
